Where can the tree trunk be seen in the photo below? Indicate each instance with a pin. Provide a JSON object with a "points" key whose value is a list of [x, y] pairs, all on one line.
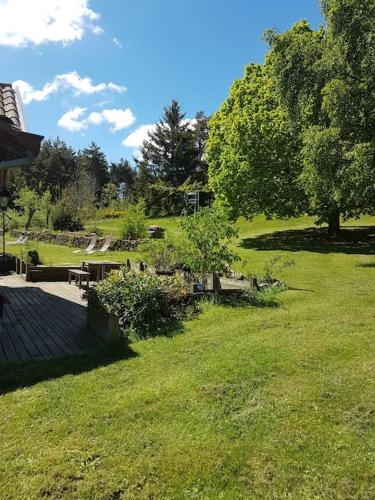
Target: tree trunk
{"points": [[48, 212], [30, 216], [334, 223]]}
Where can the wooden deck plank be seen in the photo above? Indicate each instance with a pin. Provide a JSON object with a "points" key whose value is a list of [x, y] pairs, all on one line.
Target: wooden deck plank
{"points": [[42, 321], [31, 339], [24, 315], [10, 351], [49, 327], [30, 343], [16, 339], [60, 328]]}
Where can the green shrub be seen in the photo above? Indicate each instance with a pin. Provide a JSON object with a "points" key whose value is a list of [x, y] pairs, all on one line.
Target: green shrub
{"points": [[143, 302], [14, 220], [208, 235], [134, 224], [31, 256], [64, 218], [163, 255], [274, 267]]}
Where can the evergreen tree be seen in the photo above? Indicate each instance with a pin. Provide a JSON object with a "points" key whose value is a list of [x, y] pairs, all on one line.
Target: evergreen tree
{"points": [[53, 169], [93, 163], [123, 176], [170, 153]]}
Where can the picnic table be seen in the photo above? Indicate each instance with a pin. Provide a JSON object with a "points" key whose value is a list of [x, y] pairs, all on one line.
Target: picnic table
{"points": [[79, 275], [98, 269]]}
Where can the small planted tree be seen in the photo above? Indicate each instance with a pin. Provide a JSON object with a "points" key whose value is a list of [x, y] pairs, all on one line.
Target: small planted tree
{"points": [[134, 225], [209, 234], [45, 205], [29, 201]]}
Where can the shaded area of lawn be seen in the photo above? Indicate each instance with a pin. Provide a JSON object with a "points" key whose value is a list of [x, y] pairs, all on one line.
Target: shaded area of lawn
{"points": [[352, 240], [13, 378]]}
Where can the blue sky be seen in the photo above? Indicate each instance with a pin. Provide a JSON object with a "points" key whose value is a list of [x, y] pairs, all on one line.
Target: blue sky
{"points": [[102, 70]]}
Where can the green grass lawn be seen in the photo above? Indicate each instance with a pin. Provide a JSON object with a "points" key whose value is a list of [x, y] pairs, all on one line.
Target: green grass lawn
{"points": [[241, 403], [60, 255]]}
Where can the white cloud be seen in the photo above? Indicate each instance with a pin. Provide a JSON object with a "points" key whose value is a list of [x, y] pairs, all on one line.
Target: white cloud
{"points": [[25, 22], [72, 80], [136, 138], [117, 42], [140, 134], [119, 119], [70, 121], [95, 118]]}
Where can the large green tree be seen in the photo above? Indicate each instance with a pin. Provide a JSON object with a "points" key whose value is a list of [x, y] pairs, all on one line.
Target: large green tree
{"points": [[253, 151], [323, 83]]}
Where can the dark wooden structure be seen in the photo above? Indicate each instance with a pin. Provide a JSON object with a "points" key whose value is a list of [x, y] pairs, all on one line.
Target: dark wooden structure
{"points": [[42, 321], [79, 277], [16, 144]]}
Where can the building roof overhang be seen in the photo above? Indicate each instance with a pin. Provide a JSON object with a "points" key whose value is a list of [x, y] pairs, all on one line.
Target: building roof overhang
{"points": [[15, 143]]}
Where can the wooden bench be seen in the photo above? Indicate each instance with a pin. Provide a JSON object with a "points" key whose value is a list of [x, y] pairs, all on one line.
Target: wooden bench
{"points": [[79, 276]]}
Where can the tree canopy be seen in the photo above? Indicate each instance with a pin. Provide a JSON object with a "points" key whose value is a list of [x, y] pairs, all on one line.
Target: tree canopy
{"points": [[253, 152], [172, 151], [298, 134]]}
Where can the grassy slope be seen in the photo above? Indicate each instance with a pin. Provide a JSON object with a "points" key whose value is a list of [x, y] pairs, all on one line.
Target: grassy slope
{"points": [[57, 254], [245, 403]]}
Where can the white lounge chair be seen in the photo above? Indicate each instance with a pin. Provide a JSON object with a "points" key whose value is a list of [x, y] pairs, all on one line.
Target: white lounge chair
{"points": [[91, 246], [21, 240], [105, 247]]}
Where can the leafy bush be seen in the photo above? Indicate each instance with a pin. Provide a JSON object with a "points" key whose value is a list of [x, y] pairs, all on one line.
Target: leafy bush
{"points": [[208, 234], [134, 224], [163, 255], [34, 258], [143, 302], [274, 267], [64, 218], [14, 220], [31, 256], [162, 199]]}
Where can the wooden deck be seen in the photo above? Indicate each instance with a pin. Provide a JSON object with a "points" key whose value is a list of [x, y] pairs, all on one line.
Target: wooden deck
{"points": [[42, 321]]}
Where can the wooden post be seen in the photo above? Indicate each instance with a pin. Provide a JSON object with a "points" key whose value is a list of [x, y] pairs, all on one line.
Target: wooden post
{"points": [[27, 272], [216, 285], [253, 283]]}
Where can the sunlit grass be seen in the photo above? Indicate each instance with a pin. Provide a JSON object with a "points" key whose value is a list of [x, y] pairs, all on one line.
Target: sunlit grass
{"points": [[244, 403]]}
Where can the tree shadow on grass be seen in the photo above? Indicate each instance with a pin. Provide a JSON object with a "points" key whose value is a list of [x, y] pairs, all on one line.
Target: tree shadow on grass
{"points": [[367, 265], [261, 300], [13, 377], [352, 240], [169, 330]]}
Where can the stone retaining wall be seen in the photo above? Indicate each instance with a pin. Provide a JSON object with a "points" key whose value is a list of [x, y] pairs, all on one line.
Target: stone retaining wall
{"points": [[77, 240]]}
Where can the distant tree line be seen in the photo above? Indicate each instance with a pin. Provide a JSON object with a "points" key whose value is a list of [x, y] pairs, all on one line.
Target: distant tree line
{"points": [[72, 183]]}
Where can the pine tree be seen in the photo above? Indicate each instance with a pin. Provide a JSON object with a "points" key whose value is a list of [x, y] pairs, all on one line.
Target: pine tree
{"points": [[53, 169], [170, 153], [123, 176], [92, 161]]}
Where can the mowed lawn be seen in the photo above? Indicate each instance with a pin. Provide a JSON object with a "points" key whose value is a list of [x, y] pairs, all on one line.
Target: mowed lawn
{"points": [[240, 402]]}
